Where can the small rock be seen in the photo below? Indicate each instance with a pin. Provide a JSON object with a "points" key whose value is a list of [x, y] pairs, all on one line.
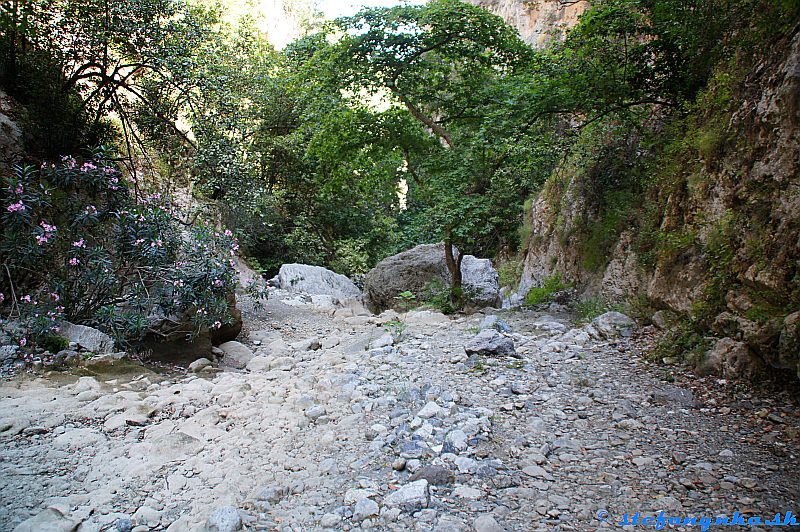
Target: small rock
{"points": [[487, 523], [49, 520], [493, 322], [272, 494], [412, 496], [310, 344], [435, 475], [364, 509], [259, 363], [458, 439], [199, 365], [385, 340], [489, 342], [429, 410], [611, 325], [536, 471], [123, 524], [225, 519], [330, 520], [315, 412], [87, 337], [399, 464], [237, 355], [466, 492]]}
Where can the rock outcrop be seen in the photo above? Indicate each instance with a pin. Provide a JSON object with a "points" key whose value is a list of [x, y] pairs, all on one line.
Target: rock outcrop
{"points": [[415, 269], [718, 234], [538, 23], [11, 137]]}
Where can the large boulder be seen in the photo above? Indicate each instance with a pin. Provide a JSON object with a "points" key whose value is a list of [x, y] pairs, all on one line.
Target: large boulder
{"points": [[175, 337], [730, 359], [413, 270], [611, 325], [316, 280], [88, 338]]}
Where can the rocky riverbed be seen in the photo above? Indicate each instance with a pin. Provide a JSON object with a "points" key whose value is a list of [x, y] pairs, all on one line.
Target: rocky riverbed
{"points": [[337, 425]]}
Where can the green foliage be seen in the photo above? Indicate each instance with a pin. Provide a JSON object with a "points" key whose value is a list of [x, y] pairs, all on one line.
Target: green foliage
{"points": [[589, 308], [397, 328], [438, 295], [545, 293], [54, 343], [510, 273], [684, 342], [405, 300]]}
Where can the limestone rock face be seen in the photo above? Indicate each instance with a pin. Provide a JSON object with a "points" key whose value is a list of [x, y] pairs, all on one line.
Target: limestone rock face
{"points": [[11, 136], [413, 270], [747, 203], [316, 280], [538, 23]]}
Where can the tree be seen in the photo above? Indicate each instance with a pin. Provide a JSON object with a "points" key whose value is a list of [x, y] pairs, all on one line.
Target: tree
{"points": [[103, 51], [444, 63]]}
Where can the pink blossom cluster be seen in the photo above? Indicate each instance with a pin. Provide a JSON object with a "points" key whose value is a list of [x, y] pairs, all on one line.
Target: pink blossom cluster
{"points": [[49, 231], [16, 207]]}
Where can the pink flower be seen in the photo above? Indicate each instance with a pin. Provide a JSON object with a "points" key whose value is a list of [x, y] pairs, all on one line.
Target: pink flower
{"points": [[79, 244], [218, 283], [74, 262], [88, 166], [2, 297], [26, 299], [55, 296], [23, 342], [41, 239], [19, 189], [16, 207], [228, 232]]}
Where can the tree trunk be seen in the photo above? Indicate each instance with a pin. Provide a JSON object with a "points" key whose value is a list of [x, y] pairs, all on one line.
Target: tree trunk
{"points": [[436, 128], [454, 268]]}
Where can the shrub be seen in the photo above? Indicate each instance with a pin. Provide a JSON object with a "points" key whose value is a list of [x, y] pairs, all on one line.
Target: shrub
{"points": [[78, 244], [588, 309], [543, 294], [510, 272]]}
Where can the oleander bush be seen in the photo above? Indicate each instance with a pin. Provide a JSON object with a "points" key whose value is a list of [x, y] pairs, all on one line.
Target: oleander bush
{"points": [[78, 242]]}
